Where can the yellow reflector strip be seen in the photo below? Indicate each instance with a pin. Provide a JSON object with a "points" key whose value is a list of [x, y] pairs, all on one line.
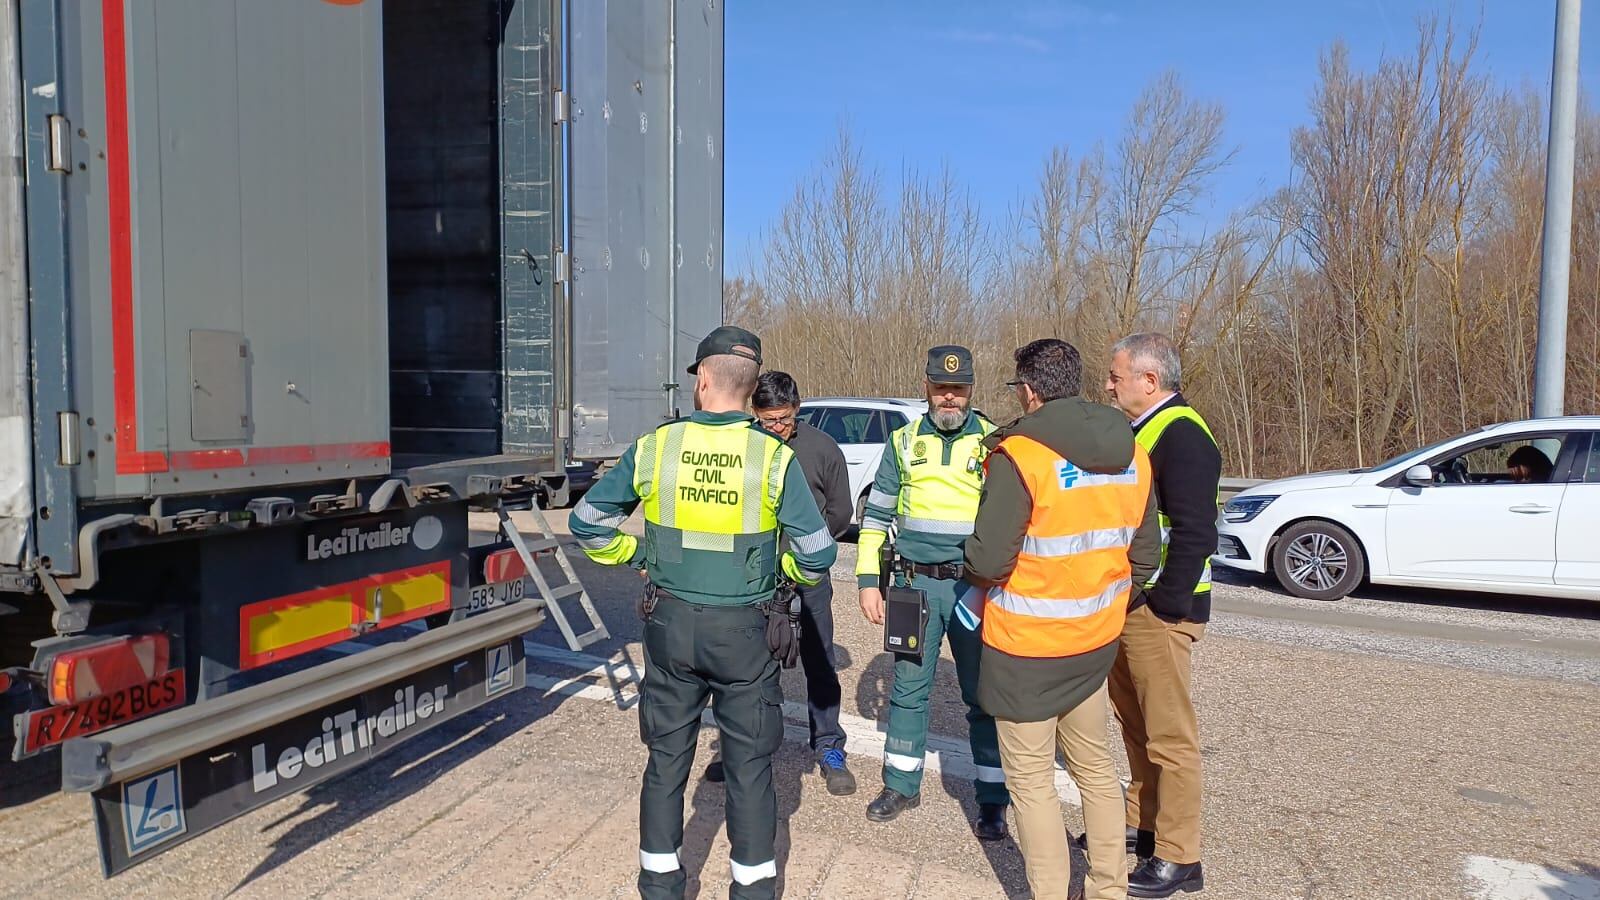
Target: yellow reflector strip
{"points": [[297, 628], [270, 630], [412, 597]]}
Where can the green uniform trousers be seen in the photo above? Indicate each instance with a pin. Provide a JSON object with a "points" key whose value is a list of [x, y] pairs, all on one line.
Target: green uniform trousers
{"points": [[695, 653], [913, 686]]}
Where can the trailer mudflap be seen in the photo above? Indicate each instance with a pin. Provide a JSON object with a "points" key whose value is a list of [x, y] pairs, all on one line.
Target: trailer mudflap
{"points": [[163, 781]]}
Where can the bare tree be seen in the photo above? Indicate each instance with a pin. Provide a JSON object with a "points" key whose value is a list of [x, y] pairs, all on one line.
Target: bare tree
{"points": [[1386, 297]]}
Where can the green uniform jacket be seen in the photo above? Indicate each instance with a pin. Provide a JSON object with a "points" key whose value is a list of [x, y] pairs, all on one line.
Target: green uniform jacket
{"points": [[597, 519]]}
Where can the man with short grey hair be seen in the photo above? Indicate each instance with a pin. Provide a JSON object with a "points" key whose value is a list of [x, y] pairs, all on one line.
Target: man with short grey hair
{"points": [[1150, 680]]}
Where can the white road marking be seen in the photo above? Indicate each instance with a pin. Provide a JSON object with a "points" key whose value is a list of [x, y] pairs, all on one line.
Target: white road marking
{"points": [[1507, 879], [863, 737]]}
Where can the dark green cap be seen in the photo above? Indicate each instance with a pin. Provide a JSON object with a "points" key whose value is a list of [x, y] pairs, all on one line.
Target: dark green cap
{"points": [[950, 364], [729, 340]]}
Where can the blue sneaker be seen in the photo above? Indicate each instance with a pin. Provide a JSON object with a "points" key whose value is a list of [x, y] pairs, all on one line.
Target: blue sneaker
{"points": [[840, 782]]}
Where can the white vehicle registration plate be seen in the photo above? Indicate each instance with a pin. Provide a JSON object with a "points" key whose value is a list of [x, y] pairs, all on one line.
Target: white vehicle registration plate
{"points": [[488, 596]]}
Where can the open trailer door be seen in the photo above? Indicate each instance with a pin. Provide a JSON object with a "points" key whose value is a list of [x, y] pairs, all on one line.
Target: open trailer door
{"points": [[645, 169]]}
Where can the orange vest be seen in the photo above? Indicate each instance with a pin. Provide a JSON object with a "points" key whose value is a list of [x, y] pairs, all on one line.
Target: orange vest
{"points": [[1069, 592]]}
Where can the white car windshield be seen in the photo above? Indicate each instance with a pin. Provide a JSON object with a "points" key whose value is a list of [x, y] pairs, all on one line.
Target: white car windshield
{"points": [[1418, 453]]}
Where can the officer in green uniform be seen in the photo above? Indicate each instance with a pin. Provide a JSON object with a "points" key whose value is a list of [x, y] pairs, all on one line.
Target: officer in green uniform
{"points": [[928, 486], [717, 492]]}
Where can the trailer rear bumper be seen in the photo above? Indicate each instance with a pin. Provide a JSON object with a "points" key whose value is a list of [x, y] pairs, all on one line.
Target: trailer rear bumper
{"points": [[161, 781]]}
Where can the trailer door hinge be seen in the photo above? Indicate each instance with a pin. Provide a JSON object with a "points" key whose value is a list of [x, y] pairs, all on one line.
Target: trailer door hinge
{"points": [[560, 107], [563, 267], [60, 145]]}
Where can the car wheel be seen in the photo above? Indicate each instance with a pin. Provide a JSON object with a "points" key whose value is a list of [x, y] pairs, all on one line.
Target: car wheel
{"points": [[1318, 560]]}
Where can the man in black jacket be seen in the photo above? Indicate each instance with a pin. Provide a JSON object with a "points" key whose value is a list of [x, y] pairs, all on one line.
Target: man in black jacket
{"points": [[777, 406], [1150, 681]]}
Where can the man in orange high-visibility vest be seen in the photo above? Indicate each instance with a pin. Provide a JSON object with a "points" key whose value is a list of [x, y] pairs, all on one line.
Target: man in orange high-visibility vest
{"points": [[1066, 528]]}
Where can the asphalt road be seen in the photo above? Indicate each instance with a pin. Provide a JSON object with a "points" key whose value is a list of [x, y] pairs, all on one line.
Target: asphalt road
{"points": [[1394, 745]]}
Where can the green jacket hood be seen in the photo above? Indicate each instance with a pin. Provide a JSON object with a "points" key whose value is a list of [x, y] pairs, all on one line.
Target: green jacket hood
{"points": [[1092, 436]]}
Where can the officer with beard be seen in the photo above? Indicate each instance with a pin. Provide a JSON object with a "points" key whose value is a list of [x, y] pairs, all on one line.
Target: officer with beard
{"points": [[928, 485]]}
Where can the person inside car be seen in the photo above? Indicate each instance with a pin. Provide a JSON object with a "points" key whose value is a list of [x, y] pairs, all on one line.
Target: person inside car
{"points": [[1529, 465]]}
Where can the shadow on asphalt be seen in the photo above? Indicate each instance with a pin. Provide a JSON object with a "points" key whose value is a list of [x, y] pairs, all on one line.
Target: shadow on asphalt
{"points": [[32, 779], [707, 811], [1561, 608], [872, 703], [336, 805]]}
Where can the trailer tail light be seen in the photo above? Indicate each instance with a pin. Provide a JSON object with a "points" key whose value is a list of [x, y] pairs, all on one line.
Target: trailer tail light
{"points": [[107, 667], [504, 565]]}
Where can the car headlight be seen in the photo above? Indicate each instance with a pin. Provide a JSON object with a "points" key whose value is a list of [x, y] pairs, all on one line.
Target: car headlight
{"points": [[1243, 509]]}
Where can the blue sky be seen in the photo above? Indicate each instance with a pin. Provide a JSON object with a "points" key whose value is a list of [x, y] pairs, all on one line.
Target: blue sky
{"points": [[990, 87]]}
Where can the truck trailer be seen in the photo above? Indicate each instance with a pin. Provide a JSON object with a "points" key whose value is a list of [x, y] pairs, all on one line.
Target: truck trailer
{"points": [[287, 290]]}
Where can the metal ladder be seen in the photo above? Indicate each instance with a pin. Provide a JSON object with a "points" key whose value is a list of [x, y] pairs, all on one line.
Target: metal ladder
{"points": [[548, 543]]}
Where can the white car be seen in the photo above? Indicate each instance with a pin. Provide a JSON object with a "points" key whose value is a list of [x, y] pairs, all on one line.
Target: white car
{"points": [[1450, 515], [861, 426]]}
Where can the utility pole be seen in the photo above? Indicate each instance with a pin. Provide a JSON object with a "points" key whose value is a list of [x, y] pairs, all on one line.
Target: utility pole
{"points": [[1550, 360]]}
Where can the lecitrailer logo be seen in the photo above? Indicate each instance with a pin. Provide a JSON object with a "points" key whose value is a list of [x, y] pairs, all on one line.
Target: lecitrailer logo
{"points": [[342, 734], [425, 535]]}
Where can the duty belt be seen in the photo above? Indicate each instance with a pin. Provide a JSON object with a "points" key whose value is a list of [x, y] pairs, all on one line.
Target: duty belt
{"points": [[950, 571]]}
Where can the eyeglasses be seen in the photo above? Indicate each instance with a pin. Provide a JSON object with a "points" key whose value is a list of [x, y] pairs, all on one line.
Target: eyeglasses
{"points": [[783, 422], [1012, 384]]}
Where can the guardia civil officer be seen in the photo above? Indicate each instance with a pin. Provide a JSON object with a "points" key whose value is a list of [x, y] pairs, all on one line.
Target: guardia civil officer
{"points": [[928, 484], [717, 491]]}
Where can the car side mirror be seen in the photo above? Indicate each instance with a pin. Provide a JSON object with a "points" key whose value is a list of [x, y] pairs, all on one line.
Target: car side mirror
{"points": [[1419, 476]]}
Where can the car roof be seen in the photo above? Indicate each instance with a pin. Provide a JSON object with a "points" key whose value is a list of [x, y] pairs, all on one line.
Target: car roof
{"points": [[898, 403], [1581, 422]]}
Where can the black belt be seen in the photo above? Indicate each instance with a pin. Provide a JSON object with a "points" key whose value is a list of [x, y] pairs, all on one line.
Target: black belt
{"points": [[951, 571]]}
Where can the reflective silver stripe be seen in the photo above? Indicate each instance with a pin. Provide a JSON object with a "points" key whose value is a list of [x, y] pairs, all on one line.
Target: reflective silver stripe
{"points": [[598, 543], [644, 463], [1071, 544], [881, 500], [816, 577], [593, 515], [707, 540], [750, 513], [992, 774], [1043, 608], [660, 863], [901, 762], [775, 479], [815, 542], [748, 875], [876, 523], [934, 526], [667, 483]]}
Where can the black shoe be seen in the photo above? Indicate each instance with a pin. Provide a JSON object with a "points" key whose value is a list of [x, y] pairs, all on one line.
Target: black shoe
{"points": [[1159, 878], [840, 782], [991, 824], [1139, 842], [890, 804], [714, 773]]}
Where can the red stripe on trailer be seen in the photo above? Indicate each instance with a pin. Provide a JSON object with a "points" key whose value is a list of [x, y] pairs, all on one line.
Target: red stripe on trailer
{"points": [[124, 364], [130, 460]]}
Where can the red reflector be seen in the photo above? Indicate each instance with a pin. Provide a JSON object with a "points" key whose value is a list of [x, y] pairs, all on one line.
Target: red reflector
{"points": [[503, 565], [107, 667], [5, 682]]}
